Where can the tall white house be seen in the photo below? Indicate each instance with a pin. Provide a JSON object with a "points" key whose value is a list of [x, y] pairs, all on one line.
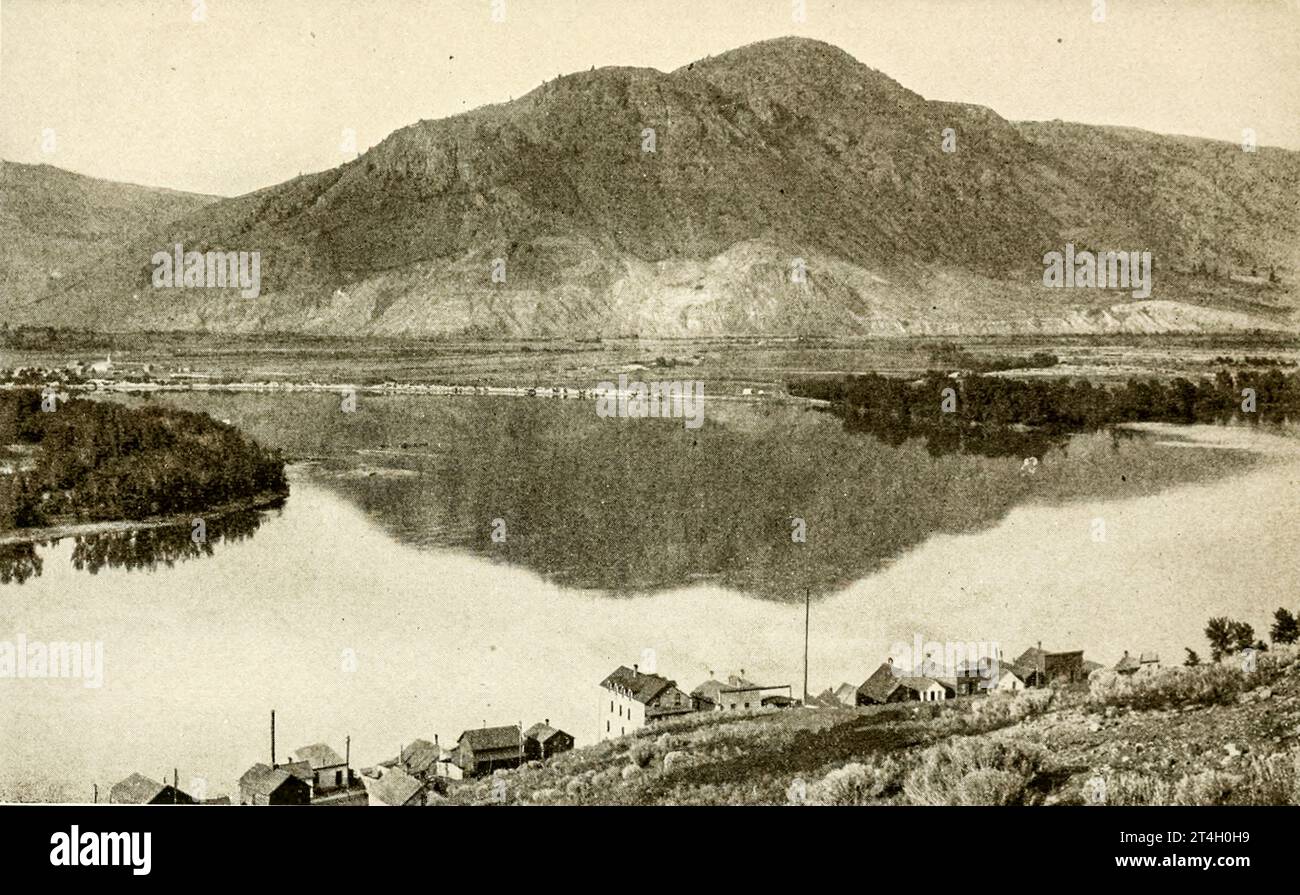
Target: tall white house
{"points": [[630, 699]]}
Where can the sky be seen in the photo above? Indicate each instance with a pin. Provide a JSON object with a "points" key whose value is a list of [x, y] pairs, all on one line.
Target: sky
{"points": [[228, 96]]}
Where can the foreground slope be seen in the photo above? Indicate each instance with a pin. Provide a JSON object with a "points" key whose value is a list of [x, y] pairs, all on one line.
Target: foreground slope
{"points": [[1209, 735]]}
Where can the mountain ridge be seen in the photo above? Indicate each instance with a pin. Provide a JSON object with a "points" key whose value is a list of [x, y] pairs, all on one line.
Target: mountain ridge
{"points": [[782, 155]]}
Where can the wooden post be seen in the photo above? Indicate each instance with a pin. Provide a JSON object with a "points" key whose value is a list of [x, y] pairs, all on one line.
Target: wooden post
{"points": [[807, 614]]}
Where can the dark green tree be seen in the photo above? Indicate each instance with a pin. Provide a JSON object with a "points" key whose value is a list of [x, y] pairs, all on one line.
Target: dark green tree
{"points": [[1285, 628]]}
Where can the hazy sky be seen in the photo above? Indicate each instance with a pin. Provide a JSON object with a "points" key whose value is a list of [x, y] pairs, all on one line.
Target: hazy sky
{"points": [[261, 90]]}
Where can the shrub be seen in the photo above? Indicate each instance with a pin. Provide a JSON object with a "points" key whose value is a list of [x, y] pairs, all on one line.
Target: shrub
{"points": [[1131, 788], [1205, 788], [675, 759], [1272, 780], [857, 784], [1029, 703], [988, 786], [1178, 686], [941, 776], [641, 755], [993, 711]]}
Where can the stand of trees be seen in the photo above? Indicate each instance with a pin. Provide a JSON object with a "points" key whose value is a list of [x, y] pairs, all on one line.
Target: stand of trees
{"points": [[97, 461], [999, 416]]}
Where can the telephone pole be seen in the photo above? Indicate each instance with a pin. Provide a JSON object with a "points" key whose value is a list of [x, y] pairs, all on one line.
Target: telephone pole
{"points": [[807, 612]]}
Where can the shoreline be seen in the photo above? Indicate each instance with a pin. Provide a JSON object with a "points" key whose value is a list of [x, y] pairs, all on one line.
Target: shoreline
{"points": [[76, 529]]}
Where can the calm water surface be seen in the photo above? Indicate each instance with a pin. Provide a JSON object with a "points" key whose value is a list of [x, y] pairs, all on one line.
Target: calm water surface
{"points": [[375, 603]]}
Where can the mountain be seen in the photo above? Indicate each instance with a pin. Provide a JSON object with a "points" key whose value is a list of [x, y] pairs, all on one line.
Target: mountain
{"points": [[780, 154], [53, 221]]}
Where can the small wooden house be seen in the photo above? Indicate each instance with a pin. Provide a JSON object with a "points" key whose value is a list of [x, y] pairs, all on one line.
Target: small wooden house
{"points": [[487, 749], [264, 785], [541, 741], [140, 790]]}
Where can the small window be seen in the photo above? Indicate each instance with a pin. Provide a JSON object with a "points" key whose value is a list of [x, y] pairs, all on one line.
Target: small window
{"points": [[611, 706], [606, 727]]}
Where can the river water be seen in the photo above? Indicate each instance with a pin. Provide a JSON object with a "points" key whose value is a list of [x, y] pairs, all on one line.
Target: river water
{"points": [[376, 602]]}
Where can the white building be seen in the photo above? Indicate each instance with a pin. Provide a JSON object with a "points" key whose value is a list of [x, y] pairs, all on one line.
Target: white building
{"points": [[630, 699]]}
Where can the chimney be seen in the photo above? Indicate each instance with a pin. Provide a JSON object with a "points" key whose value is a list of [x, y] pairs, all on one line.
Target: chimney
{"points": [[435, 739], [547, 722], [272, 739], [636, 668]]}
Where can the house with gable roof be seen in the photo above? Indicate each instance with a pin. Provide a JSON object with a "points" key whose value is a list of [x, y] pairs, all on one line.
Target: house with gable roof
{"points": [[631, 699], [541, 741], [487, 749]]}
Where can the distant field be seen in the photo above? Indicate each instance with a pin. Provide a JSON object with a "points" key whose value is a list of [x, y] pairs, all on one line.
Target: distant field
{"points": [[723, 363]]}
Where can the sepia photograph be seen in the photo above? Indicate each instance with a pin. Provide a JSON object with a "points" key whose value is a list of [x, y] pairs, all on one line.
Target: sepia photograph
{"points": [[589, 403]]}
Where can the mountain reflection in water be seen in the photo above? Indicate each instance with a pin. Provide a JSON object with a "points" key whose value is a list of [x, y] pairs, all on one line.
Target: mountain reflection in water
{"points": [[635, 506]]}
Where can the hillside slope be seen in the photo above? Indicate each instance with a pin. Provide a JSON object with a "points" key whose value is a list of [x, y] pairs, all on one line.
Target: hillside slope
{"points": [[1208, 735], [53, 222], [773, 154]]}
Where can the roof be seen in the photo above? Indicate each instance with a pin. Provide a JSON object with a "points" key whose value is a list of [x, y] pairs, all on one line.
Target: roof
{"points": [[264, 780], [300, 769], [318, 755], [922, 683], [1127, 663], [710, 690], [395, 787], [419, 756], [135, 790], [541, 732], [882, 682], [643, 687], [737, 684], [490, 738], [1148, 658]]}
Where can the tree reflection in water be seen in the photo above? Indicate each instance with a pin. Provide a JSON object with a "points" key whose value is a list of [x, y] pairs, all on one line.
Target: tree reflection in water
{"points": [[132, 549]]}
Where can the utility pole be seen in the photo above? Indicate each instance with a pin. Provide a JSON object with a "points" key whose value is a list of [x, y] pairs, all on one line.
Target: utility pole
{"points": [[807, 614]]}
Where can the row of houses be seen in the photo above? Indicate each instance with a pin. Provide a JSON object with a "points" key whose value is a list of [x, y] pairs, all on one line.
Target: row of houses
{"points": [[1033, 668], [318, 775], [631, 698]]}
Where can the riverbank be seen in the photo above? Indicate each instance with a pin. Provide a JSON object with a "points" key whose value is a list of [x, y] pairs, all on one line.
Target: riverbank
{"points": [[70, 529]]}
